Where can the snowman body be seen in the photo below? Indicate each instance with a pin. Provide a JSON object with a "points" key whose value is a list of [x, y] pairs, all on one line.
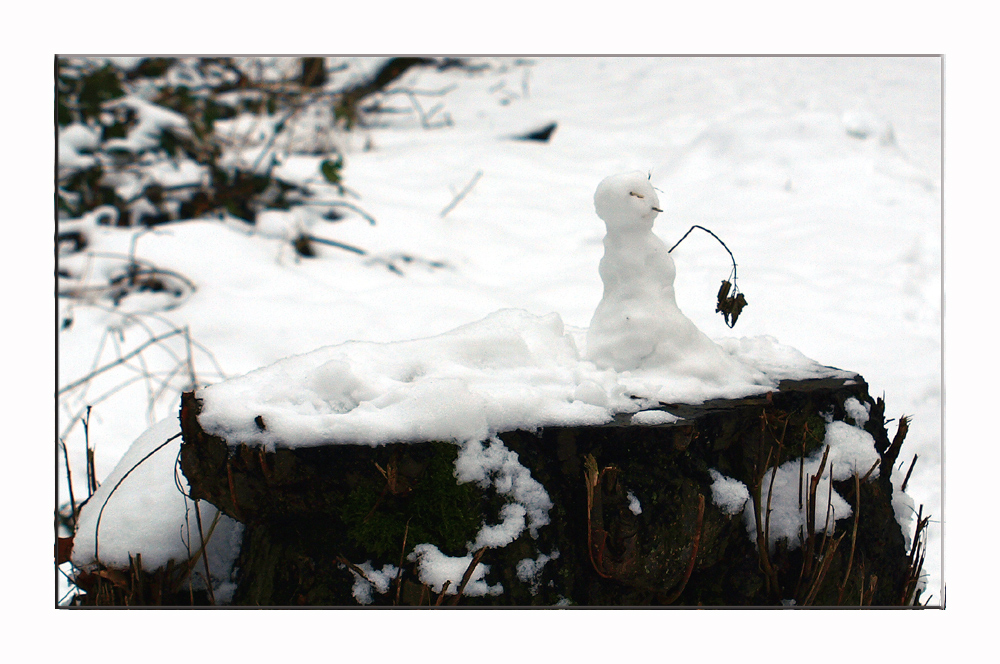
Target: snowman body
{"points": [[637, 324]]}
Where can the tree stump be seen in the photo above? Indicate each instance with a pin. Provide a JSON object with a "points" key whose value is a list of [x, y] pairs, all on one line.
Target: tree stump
{"points": [[312, 514]]}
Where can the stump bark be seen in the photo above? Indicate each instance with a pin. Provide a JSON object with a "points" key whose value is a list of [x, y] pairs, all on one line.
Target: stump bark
{"points": [[311, 513]]}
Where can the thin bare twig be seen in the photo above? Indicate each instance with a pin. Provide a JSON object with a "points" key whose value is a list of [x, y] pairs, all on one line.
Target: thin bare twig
{"points": [[119, 361], [69, 480], [97, 526], [462, 194], [854, 537], [339, 245], [809, 545], [137, 318], [399, 570], [907, 478], [824, 567], [350, 206], [91, 468], [78, 417], [354, 568], [770, 488], [190, 360], [915, 559], [829, 510], [713, 235], [444, 589], [425, 117], [467, 576], [763, 545], [193, 558], [426, 93], [871, 470], [204, 553], [802, 465]]}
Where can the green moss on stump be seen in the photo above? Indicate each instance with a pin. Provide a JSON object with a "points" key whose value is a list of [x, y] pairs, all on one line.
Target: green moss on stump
{"points": [[434, 509]]}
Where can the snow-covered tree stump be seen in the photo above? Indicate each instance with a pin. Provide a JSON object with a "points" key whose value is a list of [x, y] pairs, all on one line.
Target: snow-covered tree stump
{"points": [[498, 464], [640, 513]]}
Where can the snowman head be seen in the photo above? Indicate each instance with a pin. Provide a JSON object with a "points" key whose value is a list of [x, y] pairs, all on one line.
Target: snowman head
{"points": [[627, 202]]}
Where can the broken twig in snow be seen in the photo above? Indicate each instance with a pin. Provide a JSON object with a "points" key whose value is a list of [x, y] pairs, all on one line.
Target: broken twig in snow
{"points": [[462, 194]]}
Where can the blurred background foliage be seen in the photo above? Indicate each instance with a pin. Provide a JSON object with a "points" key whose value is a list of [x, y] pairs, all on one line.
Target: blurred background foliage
{"points": [[160, 139]]}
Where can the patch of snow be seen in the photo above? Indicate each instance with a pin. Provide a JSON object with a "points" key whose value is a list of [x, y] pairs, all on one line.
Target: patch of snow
{"points": [[787, 519], [728, 494], [778, 361], [497, 466], [590, 392], [904, 508], [857, 411], [138, 509], [153, 119], [634, 506], [173, 173], [500, 535], [435, 568], [852, 452], [74, 142], [373, 579], [529, 570], [652, 417]]}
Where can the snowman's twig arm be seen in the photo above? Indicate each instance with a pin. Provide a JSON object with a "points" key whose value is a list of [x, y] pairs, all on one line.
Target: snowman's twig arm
{"points": [[729, 307], [713, 235]]}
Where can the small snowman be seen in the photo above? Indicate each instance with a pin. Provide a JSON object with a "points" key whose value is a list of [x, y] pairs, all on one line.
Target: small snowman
{"points": [[637, 325]]}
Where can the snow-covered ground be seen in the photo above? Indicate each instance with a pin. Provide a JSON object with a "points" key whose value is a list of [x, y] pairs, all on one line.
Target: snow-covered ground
{"points": [[822, 175]]}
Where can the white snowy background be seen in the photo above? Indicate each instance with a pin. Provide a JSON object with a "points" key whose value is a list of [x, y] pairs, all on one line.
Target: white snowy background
{"points": [[857, 27]]}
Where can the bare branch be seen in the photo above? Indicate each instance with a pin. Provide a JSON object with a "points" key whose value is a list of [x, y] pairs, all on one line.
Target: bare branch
{"points": [[462, 194], [121, 360]]}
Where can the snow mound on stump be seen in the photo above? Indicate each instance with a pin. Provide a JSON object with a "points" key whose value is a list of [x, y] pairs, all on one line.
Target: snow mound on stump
{"points": [[511, 370]]}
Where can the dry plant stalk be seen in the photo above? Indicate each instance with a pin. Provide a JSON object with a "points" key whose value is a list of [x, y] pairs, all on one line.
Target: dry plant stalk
{"points": [[907, 478], [468, 575], [915, 560], [825, 562], [444, 589], [354, 568], [592, 480], [773, 587], [695, 542], [809, 545], [119, 361], [69, 481], [878, 462], [854, 536], [424, 594], [399, 570], [774, 473]]}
